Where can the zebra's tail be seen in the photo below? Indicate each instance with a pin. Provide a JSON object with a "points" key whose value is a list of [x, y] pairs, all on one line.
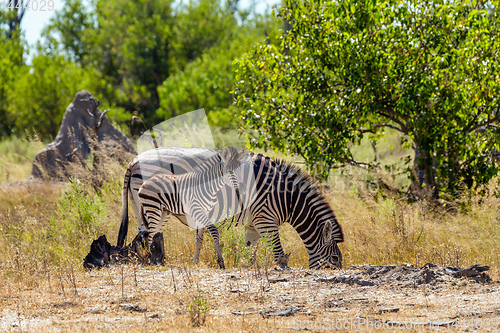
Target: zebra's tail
{"points": [[122, 234]]}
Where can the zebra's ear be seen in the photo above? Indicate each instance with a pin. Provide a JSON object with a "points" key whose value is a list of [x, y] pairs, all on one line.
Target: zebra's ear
{"points": [[242, 154], [228, 153], [327, 230]]}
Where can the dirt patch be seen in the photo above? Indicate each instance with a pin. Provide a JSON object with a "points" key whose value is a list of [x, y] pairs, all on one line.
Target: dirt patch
{"points": [[409, 276], [136, 298]]}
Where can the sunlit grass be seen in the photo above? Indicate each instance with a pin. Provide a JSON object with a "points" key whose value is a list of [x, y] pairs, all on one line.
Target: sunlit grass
{"points": [[16, 158], [53, 223]]}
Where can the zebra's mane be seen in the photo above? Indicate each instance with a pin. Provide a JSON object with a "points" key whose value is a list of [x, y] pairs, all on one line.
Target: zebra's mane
{"points": [[290, 170]]}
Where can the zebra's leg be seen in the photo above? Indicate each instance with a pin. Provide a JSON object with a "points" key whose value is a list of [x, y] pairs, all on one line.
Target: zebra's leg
{"points": [[269, 230], [156, 220], [200, 216], [200, 232], [215, 235]]}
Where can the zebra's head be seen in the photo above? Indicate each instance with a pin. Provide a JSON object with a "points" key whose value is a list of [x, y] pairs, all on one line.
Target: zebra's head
{"points": [[329, 255], [231, 160]]}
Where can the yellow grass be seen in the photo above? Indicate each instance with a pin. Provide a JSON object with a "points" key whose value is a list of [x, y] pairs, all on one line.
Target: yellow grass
{"points": [[56, 222], [16, 157], [46, 229]]}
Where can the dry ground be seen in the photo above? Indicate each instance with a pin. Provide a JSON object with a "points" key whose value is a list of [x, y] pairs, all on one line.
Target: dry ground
{"points": [[131, 298]]}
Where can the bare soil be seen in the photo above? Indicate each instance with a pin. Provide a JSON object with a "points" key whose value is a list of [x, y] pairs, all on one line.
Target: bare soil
{"points": [[130, 298]]}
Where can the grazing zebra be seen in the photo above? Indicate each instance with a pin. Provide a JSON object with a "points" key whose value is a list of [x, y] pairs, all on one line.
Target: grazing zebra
{"points": [[191, 194], [159, 161], [286, 194], [282, 193]]}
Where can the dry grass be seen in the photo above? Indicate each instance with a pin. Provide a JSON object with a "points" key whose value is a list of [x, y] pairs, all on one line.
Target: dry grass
{"points": [[392, 231], [56, 222], [46, 229], [17, 155]]}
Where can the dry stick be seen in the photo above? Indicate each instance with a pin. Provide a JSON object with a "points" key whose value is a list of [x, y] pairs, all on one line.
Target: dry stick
{"points": [[62, 285], [123, 293], [48, 273], [19, 316], [172, 271], [135, 275], [267, 267], [187, 275], [73, 280]]}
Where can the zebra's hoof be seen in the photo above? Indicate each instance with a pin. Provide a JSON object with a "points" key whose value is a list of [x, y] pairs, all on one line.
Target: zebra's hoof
{"points": [[158, 250], [283, 260]]}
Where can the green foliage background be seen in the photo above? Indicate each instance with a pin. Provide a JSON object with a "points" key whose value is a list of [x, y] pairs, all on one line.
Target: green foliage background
{"points": [[154, 59], [341, 73], [346, 69]]}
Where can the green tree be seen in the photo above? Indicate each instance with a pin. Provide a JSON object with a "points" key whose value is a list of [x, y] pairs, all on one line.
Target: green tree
{"points": [[67, 29], [40, 93], [207, 81], [427, 69], [11, 62], [12, 15], [11, 56], [127, 42], [198, 26], [137, 45], [130, 46]]}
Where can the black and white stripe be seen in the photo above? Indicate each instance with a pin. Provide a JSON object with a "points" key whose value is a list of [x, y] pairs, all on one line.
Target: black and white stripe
{"points": [[190, 194], [276, 193]]}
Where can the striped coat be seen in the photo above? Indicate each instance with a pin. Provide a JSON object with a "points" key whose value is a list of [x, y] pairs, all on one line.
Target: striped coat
{"points": [[190, 194], [276, 193]]}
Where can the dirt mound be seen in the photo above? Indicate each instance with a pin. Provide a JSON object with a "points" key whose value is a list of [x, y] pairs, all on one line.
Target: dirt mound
{"points": [[84, 130], [407, 276]]}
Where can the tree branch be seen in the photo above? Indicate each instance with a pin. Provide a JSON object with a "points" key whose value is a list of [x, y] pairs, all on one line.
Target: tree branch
{"points": [[469, 126], [377, 126], [362, 165], [486, 123], [388, 113]]}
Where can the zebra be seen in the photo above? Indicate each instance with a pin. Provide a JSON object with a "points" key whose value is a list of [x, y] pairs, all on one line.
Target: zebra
{"points": [[191, 194], [283, 193]]}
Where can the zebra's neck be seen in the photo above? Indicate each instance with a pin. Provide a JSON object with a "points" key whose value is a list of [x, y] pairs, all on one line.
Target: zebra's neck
{"points": [[298, 201], [307, 211], [207, 175]]}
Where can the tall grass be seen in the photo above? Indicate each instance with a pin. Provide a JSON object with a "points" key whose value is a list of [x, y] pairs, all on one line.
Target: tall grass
{"points": [[16, 157], [47, 225]]}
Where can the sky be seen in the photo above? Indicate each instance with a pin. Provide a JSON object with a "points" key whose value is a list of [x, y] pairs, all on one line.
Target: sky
{"points": [[34, 21]]}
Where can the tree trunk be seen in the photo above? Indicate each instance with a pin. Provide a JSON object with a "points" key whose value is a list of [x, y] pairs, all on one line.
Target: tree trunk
{"points": [[423, 180]]}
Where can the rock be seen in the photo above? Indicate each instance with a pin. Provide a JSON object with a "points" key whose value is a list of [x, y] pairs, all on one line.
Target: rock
{"points": [[158, 250], [84, 129], [132, 308], [350, 280], [387, 310], [405, 275]]}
